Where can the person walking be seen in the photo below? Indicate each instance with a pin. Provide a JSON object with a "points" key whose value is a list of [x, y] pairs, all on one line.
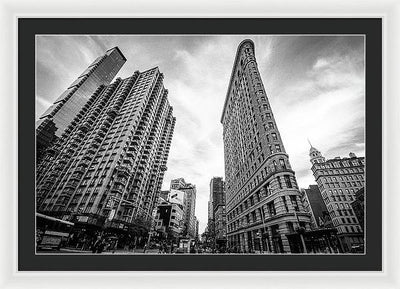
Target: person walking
{"points": [[96, 244], [101, 246]]}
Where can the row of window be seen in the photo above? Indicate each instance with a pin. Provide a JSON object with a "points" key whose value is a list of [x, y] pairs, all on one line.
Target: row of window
{"points": [[260, 214]]}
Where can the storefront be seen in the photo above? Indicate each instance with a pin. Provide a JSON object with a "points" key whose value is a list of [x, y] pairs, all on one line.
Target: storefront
{"points": [[316, 241]]}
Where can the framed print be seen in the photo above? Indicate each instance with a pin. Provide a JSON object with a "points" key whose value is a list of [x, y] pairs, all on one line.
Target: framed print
{"points": [[200, 144], [327, 73]]}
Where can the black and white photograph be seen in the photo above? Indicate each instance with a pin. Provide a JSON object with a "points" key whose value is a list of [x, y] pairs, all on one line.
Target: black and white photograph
{"points": [[200, 144]]}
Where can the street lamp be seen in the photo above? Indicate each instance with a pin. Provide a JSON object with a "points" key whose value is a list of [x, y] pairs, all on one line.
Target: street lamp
{"points": [[300, 230], [258, 235], [265, 230]]}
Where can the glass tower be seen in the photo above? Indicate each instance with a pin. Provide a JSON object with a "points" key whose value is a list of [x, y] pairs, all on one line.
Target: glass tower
{"points": [[54, 121]]}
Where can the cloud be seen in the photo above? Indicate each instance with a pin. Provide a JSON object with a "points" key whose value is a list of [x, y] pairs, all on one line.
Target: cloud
{"points": [[41, 105], [320, 63]]}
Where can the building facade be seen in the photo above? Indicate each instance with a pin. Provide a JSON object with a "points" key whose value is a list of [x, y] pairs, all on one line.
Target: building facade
{"points": [[164, 196], [358, 206], [168, 220], [338, 180], [176, 184], [263, 201], [55, 120], [189, 205], [106, 170]]}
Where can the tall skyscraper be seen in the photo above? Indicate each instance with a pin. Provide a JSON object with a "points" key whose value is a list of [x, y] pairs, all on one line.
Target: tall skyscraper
{"points": [[263, 201], [107, 169], [55, 120], [338, 180], [314, 204], [218, 214], [196, 228], [189, 205]]}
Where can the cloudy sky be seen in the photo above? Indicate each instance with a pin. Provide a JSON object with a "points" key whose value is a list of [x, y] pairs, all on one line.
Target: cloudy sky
{"points": [[315, 85]]}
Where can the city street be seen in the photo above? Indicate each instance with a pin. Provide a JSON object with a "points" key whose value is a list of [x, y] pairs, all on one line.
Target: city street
{"points": [[116, 252]]}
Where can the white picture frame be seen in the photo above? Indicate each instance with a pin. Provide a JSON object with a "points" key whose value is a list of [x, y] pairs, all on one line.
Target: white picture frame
{"points": [[390, 13]]}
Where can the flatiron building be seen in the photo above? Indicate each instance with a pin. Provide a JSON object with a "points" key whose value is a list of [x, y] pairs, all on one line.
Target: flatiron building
{"points": [[263, 201]]}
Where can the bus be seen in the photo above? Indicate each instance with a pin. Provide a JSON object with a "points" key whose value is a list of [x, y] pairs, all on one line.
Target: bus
{"points": [[51, 233]]}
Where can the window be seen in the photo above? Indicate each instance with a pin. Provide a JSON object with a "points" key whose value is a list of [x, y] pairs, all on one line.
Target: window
{"points": [[294, 203], [271, 208], [254, 217], [277, 147], [271, 125], [285, 203], [267, 189], [279, 182], [274, 137], [282, 163], [290, 227], [287, 181]]}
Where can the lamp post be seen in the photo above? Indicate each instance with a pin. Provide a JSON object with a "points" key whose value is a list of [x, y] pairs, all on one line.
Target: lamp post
{"points": [[300, 231], [265, 230], [258, 235]]}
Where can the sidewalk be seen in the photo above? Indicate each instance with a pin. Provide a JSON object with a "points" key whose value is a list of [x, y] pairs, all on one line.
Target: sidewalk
{"points": [[116, 252]]}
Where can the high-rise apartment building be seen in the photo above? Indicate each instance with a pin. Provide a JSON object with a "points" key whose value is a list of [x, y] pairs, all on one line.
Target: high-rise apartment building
{"points": [[189, 205], [338, 180], [263, 201], [106, 170], [55, 120]]}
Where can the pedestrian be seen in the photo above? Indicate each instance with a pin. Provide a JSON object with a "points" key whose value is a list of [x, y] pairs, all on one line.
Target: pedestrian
{"points": [[101, 246], [96, 245], [144, 248]]}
